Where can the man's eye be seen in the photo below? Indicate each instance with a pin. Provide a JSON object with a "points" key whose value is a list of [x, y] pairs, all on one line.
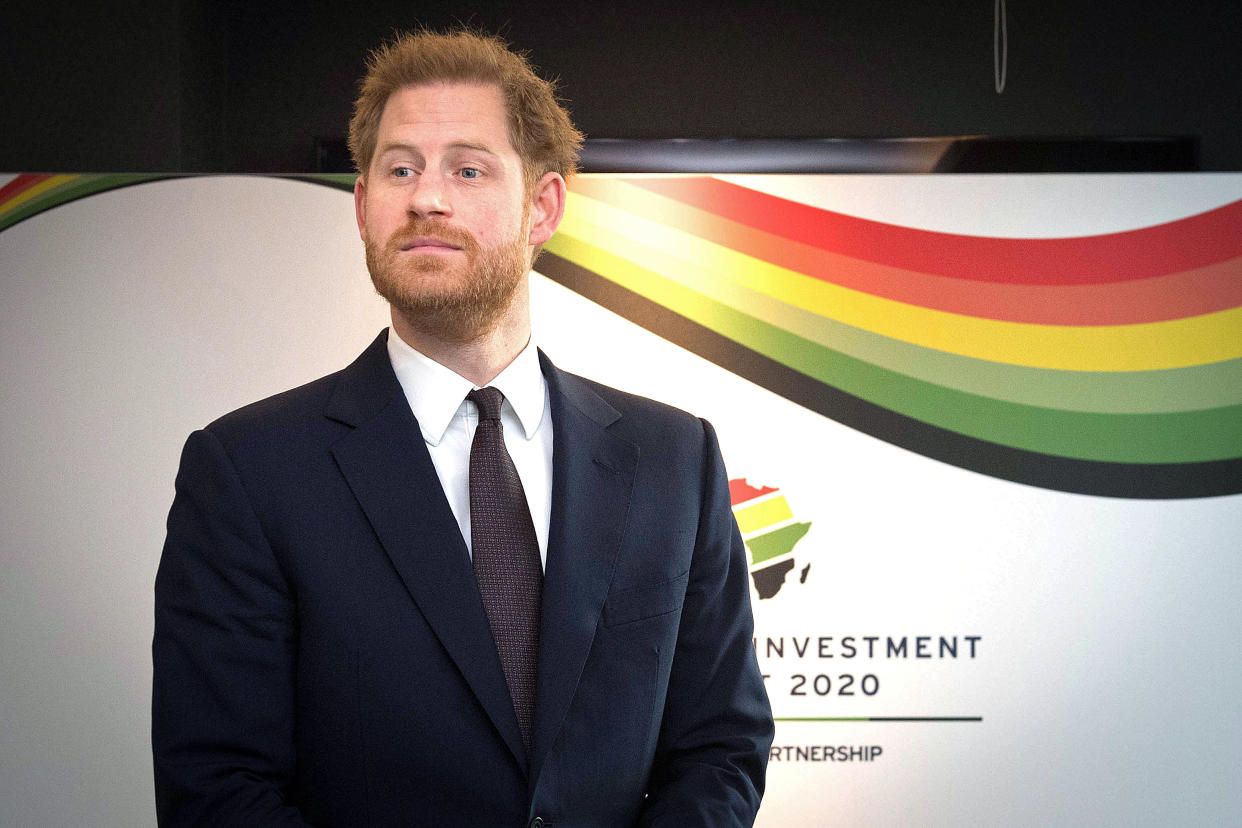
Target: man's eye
{"points": [[470, 172], [403, 172]]}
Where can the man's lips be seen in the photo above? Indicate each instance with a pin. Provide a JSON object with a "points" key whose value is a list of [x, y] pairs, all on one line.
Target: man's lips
{"points": [[428, 244]]}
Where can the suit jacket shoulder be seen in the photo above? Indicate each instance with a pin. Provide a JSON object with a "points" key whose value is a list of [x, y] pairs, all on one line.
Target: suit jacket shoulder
{"points": [[317, 412], [279, 411], [634, 418]]}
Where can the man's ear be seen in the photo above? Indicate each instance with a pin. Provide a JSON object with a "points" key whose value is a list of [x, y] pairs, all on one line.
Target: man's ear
{"points": [[360, 206], [547, 207]]}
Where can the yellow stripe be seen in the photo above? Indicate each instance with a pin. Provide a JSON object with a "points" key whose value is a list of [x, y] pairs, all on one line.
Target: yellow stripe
{"points": [[708, 268], [753, 518], [38, 189]]}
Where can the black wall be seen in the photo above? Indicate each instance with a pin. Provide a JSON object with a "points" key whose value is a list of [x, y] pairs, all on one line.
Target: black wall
{"points": [[248, 86]]}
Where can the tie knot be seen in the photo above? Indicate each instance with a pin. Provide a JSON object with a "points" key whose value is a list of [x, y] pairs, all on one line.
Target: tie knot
{"points": [[488, 401]]}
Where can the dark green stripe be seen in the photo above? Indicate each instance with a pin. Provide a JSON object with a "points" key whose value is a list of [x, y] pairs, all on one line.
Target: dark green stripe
{"points": [[337, 181]]}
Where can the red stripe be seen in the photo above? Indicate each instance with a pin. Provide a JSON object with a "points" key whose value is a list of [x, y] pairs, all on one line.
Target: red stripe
{"points": [[740, 491], [1175, 296], [19, 185], [1186, 244]]}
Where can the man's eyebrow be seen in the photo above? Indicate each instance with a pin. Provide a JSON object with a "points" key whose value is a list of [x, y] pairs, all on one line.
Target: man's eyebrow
{"points": [[392, 146], [471, 145], [396, 146]]}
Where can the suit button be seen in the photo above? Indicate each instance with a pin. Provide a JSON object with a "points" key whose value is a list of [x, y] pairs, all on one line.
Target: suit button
{"points": [[537, 822]]}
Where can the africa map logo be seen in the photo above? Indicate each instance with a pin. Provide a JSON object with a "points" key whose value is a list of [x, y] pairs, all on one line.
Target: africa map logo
{"points": [[770, 534]]}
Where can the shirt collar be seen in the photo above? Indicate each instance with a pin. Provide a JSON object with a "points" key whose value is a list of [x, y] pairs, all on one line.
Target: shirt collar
{"points": [[435, 393], [524, 387]]}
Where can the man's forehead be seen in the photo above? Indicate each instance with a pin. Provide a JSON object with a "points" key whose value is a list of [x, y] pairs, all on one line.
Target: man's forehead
{"points": [[447, 101], [451, 112]]}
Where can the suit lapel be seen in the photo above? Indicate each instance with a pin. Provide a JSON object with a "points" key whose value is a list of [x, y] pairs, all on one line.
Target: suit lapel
{"points": [[387, 466], [592, 478]]}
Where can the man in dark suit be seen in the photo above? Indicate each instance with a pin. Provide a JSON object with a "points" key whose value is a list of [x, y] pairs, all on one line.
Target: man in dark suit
{"points": [[389, 598]]}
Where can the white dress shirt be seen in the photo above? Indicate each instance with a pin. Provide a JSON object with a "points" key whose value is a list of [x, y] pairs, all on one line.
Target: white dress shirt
{"points": [[437, 396]]}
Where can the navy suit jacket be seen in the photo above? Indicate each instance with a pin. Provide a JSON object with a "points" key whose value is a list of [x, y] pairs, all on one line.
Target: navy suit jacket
{"points": [[322, 655]]}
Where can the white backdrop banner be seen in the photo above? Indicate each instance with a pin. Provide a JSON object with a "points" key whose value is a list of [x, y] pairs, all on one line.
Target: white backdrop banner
{"points": [[984, 436]]}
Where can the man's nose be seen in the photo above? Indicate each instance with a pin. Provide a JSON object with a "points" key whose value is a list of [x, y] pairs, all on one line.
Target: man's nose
{"points": [[430, 196]]}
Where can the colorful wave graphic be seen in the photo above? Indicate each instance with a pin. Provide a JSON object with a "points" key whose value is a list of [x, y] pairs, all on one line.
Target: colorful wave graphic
{"points": [[770, 533], [29, 194], [1107, 365]]}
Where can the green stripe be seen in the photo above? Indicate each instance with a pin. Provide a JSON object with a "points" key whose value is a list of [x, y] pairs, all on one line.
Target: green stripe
{"points": [[1181, 437], [775, 544], [1106, 392], [338, 181]]}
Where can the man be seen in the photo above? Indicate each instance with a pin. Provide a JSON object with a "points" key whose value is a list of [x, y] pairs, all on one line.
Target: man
{"points": [[388, 598]]}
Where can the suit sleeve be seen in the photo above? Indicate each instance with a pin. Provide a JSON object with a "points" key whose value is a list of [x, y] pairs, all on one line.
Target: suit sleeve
{"points": [[223, 656], [717, 727]]}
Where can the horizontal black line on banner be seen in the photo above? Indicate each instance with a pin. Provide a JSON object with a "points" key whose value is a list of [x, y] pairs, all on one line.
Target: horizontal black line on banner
{"points": [[878, 718], [1047, 471], [931, 154]]}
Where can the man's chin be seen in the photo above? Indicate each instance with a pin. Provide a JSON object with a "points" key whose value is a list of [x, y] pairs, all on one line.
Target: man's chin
{"points": [[448, 324], [450, 315]]}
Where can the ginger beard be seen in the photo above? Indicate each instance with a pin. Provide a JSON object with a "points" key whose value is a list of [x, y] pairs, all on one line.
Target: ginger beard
{"points": [[454, 301]]}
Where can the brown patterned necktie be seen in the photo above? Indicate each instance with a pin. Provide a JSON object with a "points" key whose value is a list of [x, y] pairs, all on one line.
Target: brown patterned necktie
{"points": [[506, 555]]}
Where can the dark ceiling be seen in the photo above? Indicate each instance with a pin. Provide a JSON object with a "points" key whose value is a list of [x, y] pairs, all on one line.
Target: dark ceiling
{"points": [[230, 86]]}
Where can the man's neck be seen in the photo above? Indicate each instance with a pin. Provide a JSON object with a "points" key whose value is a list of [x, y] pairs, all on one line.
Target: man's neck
{"points": [[479, 361]]}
